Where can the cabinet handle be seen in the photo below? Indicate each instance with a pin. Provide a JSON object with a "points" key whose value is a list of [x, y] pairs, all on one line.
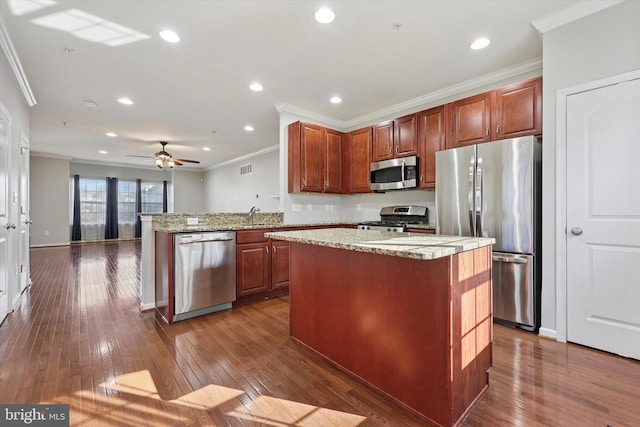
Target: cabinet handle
{"points": [[267, 249], [421, 176], [274, 250], [304, 181], [396, 149], [325, 184], [497, 129], [486, 131]]}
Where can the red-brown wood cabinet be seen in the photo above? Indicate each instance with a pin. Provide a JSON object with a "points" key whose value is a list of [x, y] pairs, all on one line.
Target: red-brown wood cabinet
{"points": [[508, 112]]}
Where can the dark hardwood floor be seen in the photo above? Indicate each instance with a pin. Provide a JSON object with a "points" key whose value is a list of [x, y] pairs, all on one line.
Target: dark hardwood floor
{"points": [[78, 337]]}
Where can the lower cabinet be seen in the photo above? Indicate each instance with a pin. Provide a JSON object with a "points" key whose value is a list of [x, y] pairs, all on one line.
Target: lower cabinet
{"points": [[262, 265]]}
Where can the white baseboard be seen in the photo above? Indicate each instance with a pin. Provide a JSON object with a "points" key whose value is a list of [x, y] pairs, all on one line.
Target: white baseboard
{"points": [[147, 306], [548, 333], [50, 245]]}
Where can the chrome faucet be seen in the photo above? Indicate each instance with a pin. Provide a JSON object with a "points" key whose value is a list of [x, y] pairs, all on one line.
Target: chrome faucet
{"points": [[252, 213]]}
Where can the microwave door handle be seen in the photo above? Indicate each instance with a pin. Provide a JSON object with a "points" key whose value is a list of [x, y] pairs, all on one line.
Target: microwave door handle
{"points": [[402, 172], [472, 164], [479, 197]]}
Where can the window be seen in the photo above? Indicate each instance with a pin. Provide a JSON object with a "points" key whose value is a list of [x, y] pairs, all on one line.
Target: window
{"points": [[127, 201], [152, 197], [93, 200]]}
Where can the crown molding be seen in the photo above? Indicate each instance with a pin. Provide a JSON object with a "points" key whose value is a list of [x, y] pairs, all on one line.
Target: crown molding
{"points": [[12, 57], [419, 102], [48, 155], [571, 14], [245, 157], [283, 107]]}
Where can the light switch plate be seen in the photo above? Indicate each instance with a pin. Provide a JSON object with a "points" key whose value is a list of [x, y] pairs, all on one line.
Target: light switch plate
{"points": [[192, 221]]}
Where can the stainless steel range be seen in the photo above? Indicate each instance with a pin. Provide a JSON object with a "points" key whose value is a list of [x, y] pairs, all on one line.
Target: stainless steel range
{"points": [[397, 218]]}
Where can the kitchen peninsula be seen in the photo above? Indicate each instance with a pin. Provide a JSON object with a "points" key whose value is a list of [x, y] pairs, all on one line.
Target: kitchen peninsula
{"points": [[409, 314]]}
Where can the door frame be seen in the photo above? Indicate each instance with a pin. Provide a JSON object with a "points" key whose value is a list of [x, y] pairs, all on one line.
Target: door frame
{"points": [[561, 190]]}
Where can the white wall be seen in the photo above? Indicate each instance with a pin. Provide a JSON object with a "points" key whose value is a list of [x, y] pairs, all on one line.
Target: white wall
{"points": [[188, 190], [594, 47], [228, 191], [49, 183], [93, 170]]}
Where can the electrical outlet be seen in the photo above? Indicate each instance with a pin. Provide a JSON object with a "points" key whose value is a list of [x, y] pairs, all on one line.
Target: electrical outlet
{"points": [[192, 221]]}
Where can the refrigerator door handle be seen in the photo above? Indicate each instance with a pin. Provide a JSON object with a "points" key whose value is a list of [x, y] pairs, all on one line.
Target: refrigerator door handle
{"points": [[479, 200], [472, 168], [515, 259]]}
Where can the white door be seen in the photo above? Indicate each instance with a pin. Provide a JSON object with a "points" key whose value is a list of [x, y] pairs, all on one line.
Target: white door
{"points": [[25, 219], [4, 215], [603, 218]]}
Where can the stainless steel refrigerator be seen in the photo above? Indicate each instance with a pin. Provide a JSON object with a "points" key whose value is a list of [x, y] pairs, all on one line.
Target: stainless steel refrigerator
{"points": [[493, 190]]}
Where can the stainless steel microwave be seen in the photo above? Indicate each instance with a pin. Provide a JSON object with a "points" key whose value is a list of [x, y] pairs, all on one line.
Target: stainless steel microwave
{"points": [[394, 174]]}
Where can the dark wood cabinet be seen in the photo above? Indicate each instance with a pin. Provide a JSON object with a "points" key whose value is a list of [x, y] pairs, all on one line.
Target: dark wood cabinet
{"points": [[432, 137], [406, 136], [262, 265], [396, 138], [383, 141], [279, 264], [357, 165], [333, 141], [517, 110], [508, 112], [315, 159], [471, 120]]}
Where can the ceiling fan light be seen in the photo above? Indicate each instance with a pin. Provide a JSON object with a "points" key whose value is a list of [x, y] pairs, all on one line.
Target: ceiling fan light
{"points": [[159, 163], [171, 163]]}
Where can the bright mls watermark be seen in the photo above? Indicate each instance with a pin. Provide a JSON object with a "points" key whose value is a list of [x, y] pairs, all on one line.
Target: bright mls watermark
{"points": [[34, 415]]}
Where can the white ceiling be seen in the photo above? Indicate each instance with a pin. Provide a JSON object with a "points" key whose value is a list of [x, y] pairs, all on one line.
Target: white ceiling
{"points": [[196, 93]]}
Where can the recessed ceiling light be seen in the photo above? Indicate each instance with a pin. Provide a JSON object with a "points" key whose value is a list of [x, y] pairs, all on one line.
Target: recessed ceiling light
{"points": [[169, 36], [335, 100], [102, 152], [324, 15], [255, 86], [125, 101], [480, 43], [206, 148], [111, 134], [90, 104], [248, 128]]}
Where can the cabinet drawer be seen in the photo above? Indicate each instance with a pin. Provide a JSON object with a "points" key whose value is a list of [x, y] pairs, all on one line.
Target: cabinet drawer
{"points": [[251, 236]]}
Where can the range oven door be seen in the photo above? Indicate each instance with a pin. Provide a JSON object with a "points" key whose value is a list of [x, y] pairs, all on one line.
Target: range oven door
{"points": [[513, 289]]}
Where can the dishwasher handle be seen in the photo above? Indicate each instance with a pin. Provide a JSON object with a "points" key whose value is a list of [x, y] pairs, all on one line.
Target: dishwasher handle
{"points": [[223, 239]]}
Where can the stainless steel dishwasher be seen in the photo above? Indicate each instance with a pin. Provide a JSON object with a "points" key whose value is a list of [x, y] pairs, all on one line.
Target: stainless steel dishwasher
{"points": [[204, 273]]}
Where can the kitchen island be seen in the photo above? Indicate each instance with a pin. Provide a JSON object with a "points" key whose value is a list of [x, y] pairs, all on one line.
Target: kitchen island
{"points": [[409, 314]]}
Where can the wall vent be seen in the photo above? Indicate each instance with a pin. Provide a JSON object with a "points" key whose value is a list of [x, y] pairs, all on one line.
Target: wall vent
{"points": [[245, 169]]}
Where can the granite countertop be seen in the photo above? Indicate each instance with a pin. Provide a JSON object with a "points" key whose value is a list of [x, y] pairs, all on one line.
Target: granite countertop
{"points": [[407, 245], [182, 228]]}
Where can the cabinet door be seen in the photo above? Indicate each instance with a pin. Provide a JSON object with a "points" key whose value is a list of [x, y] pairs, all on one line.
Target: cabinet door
{"points": [[406, 136], [333, 161], [253, 268], [471, 120], [359, 161], [518, 110], [383, 142], [279, 264], [432, 131], [312, 157]]}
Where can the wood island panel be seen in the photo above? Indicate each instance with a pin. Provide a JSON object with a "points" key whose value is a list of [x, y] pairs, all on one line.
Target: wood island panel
{"points": [[418, 331]]}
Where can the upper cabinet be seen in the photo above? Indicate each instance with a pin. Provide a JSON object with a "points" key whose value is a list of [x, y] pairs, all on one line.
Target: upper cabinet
{"points": [[315, 159], [396, 138], [508, 112], [518, 110], [357, 160], [432, 137]]}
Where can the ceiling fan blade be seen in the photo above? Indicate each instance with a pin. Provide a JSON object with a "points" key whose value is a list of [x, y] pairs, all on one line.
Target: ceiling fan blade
{"points": [[146, 157], [186, 160], [176, 162]]}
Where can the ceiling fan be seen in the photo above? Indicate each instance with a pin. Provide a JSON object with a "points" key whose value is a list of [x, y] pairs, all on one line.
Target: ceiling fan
{"points": [[165, 160]]}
